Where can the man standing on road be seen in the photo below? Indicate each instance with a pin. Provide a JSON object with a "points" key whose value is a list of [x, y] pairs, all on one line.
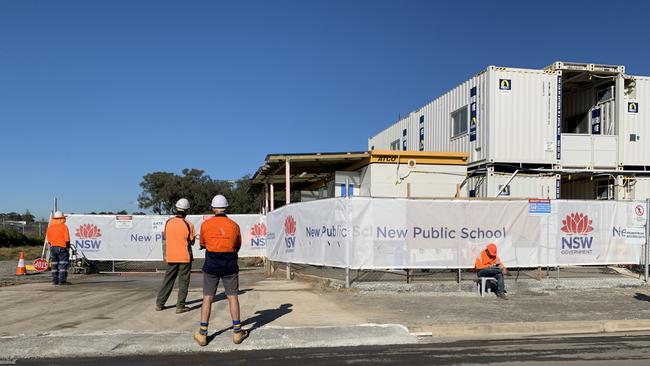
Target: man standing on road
{"points": [[221, 238], [489, 265], [59, 238], [178, 238]]}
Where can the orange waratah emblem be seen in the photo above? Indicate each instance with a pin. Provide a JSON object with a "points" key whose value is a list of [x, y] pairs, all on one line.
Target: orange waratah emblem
{"points": [[258, 230], [290, 225], [577, 224], [88, 231]]}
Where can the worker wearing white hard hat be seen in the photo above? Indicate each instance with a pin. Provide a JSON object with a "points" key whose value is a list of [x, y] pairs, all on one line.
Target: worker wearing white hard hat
{"points": [[58, 237], [221, 238], [178, 238], [219, 202]]}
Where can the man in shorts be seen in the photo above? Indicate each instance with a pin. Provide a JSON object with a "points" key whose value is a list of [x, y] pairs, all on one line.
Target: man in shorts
{"points": [[221, 238]]}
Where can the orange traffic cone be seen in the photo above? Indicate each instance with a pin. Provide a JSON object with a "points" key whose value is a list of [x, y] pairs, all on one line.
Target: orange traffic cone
{"points": [[21, 270]]}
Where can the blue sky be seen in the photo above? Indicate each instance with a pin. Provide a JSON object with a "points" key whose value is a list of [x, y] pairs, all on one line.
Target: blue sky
{"points": [[96, 94]]}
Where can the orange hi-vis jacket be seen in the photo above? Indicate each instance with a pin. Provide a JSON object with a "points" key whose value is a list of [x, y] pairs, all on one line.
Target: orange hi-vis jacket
{"points": [[57, 233], [220, 234], [484, 261], [179, 235]]}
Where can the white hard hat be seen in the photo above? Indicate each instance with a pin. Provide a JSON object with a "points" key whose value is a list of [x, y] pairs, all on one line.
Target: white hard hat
{"points": [[219, 201], [58, 215], [183, 204]]}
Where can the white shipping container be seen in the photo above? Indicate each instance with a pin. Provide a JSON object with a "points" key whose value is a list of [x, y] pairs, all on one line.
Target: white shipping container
{"points": [[510, 106], [635, 136]]}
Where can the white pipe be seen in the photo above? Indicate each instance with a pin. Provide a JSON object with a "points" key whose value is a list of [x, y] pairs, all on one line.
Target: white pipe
{"points": [[507, 183]]}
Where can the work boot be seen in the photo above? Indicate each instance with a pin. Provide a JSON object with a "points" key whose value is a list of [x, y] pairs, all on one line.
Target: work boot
{"points": [[239, 337], [201, 339], [160, 307], [502, 296], [182, 309]]}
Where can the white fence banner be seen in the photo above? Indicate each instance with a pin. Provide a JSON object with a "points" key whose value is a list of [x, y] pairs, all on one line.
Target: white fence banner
{"points": [[369, 233], [139, 238]]}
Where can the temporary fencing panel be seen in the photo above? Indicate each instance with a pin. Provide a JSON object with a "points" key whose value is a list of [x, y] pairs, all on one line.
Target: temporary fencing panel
{"points": [[139, 238], [371, 233]]}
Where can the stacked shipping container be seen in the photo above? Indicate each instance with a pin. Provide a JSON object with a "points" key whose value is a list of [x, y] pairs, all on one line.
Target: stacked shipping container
{"points": [[554, 124]]}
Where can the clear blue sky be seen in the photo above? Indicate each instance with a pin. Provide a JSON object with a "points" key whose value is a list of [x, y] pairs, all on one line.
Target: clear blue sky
{"points": [[96, 94]]}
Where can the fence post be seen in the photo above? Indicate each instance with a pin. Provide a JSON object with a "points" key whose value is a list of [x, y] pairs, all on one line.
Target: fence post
{"points": [[647, 238], [347, 247]]}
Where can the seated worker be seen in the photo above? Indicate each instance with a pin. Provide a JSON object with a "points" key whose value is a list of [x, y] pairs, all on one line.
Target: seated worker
{"points": [[489, 265]]}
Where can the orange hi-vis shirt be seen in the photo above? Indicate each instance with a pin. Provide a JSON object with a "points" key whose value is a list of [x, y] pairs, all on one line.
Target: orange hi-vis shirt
{"points": [[220, 234], [57, 233], [484, 261], [179, 235]]}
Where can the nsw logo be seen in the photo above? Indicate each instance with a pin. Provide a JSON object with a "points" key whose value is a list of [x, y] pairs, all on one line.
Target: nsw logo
{"points": [[258, 236], [88, 238], [577, 239], [290, 233]]}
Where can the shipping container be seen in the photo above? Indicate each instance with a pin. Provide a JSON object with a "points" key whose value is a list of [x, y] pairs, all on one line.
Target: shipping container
{"points": [[492, 117], [635, 136]]}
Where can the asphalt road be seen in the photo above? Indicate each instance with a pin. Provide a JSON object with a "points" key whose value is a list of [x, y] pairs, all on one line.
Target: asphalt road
{"points": [[619, 349]]}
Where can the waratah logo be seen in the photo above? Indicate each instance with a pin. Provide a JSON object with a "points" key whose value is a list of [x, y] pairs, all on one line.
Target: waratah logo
{"points": [[258, 230], [258, 235], [577, 224], [290, 225], [290, 231], [88, 231], [89, 234]]}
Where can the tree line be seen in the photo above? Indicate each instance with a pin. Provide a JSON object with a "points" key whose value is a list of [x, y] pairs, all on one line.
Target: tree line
{"points": [[15, 216], [161, 190]]}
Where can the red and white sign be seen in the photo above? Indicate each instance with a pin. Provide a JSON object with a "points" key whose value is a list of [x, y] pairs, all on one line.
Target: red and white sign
{"points": [[638, 217], [40, 265]]}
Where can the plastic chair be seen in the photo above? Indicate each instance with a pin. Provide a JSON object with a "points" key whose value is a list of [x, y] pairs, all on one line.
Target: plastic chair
{"points": [[481, 283]]}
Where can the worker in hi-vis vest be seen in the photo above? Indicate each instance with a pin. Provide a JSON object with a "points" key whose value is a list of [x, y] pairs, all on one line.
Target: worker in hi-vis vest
{"points": [[488, 264], [58, 237], [178, 238], [221, 239]]}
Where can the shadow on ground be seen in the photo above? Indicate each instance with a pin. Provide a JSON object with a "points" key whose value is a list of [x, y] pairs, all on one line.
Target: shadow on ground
{"points": [[261, 318], [642, 297]]}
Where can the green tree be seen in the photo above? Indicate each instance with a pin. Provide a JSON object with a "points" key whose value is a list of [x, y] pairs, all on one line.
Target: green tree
{"points": [[161, 190], [242, 199], [28, 217]]}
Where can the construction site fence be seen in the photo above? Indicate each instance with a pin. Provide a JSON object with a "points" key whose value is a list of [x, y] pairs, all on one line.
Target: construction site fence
{"points": [[405, 234]]}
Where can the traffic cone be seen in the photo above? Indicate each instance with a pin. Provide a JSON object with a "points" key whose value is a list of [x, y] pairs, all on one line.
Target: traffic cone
{"points": [[21, 270]]}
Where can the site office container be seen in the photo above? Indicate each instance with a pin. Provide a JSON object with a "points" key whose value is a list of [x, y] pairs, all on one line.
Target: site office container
{"points": [[635, 130], [509, 116]]}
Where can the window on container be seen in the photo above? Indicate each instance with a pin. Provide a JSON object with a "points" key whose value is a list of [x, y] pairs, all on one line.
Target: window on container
{"points": [[395, 145], [459, 122]]}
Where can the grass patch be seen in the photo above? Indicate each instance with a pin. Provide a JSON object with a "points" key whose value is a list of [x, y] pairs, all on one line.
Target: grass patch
{"points": [[31, 253]]}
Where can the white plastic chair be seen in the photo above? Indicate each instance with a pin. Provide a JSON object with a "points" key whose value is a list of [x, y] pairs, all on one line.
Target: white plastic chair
{"points": [[481, 285]]}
